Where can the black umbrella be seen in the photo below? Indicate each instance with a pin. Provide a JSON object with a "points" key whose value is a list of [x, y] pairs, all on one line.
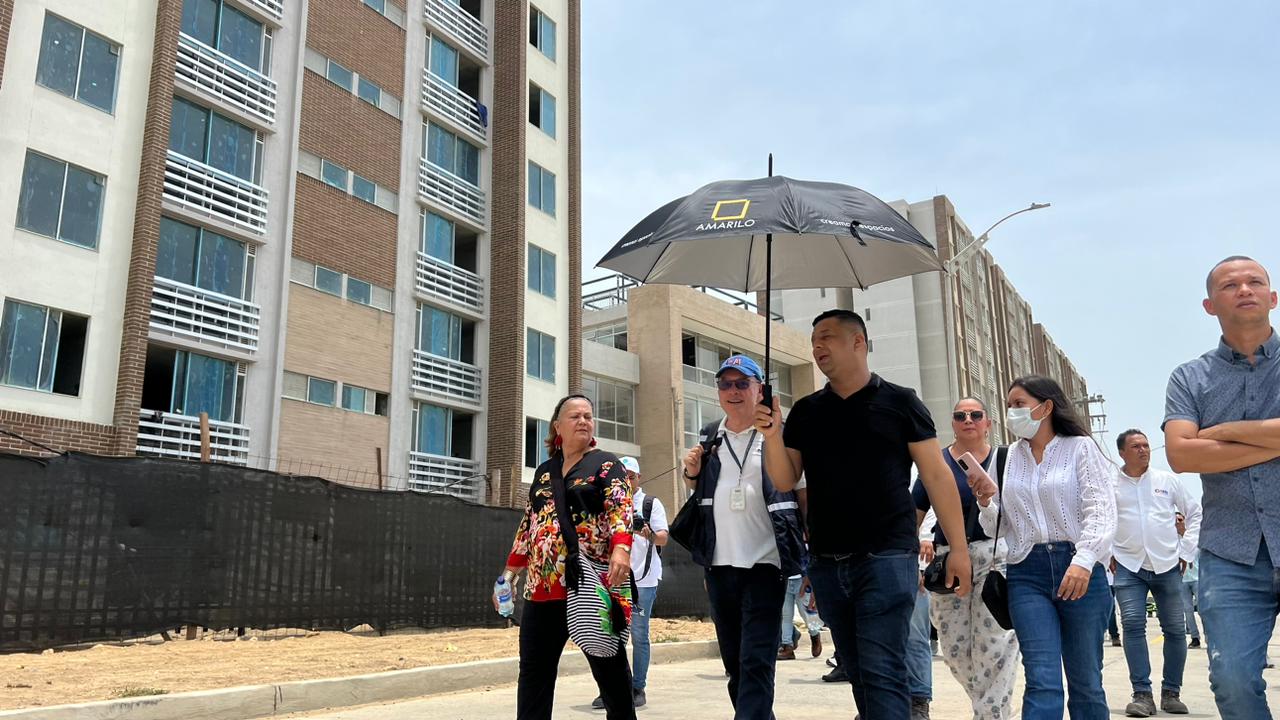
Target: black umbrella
{"points": [[722, 235]]}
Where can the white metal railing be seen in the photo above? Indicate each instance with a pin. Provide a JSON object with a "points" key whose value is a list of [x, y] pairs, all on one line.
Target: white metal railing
{"points": [[227, 79], [435, 375], [451, 192], [163, 434], [460, 24], [204, 315], [453, 104], [206, 189], [274, 8], [450, 283], [444, 474]]}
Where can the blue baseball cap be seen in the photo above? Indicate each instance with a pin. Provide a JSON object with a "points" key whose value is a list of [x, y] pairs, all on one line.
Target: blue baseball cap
{"points": [[742, 364]]}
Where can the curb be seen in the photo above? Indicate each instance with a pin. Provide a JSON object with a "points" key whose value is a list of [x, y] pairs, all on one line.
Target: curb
{"points": [[255, 701]]}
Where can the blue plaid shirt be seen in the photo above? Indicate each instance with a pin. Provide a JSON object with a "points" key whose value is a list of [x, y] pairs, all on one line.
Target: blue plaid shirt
{"points": [[1241, 507]]}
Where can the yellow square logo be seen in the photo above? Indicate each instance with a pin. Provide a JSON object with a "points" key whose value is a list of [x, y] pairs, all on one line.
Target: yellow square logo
{"points": [[729, 206]]}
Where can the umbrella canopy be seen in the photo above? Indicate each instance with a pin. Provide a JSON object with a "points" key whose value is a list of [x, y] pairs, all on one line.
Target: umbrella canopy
{"points": [[826, 235]]}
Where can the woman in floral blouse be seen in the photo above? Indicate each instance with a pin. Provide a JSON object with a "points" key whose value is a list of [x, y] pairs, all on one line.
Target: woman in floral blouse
{"points": [[599, 501]]}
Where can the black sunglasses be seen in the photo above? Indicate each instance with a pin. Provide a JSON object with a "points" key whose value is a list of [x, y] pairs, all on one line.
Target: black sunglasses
{"points": [[960, 415], [742, 384]]}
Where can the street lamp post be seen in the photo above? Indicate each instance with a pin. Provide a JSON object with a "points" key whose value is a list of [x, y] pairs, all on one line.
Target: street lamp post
{"points": [[956, 258]]}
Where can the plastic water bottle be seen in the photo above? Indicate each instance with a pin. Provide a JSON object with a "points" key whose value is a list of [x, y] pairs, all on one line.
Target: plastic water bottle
{"points": [[502, 591]]}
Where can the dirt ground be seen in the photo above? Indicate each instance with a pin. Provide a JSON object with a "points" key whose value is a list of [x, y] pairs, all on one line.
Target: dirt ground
{"points": [[156, 667]]}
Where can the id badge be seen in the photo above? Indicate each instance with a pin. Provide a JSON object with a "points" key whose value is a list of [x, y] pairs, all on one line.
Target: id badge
{"points": [[738, 499]]}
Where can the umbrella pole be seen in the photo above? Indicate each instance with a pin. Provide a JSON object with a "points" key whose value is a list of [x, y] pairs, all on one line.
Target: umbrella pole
{"points": [[768, 312]]}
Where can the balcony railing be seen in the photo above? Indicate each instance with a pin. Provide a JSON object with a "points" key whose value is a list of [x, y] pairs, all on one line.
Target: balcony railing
{"points": [[163, 434], [461, 25], [226, 79], [450, 283], [451, 192], [203, 315], [274, 8], [443, 474], [435, 375], [221, 195], [443, 99]]}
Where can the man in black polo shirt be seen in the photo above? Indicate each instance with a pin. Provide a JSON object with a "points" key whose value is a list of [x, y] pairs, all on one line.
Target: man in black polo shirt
{"points": [[855, 441]]}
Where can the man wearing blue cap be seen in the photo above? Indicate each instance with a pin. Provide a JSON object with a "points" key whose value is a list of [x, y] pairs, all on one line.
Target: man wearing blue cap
{"points": [[750, 540]]}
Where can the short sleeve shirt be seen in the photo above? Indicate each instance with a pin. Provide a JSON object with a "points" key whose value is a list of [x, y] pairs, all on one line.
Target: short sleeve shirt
{"points": [[640, 547], [858, 466], [972, 528], [1241, 507]]}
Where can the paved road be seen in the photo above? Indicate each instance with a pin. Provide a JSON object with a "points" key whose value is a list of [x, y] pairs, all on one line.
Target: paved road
{"points": [[697, 688]]}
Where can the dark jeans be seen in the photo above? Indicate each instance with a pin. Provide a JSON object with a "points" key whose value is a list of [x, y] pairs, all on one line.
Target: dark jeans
{"points": [[867, 601], [1112, 627], [745, 607], [1238, 604], [1166, 588], [1058, 636], [544, 630]]}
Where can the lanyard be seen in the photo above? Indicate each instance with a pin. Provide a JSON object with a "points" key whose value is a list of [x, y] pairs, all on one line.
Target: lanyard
{"points": [[750, 441]]}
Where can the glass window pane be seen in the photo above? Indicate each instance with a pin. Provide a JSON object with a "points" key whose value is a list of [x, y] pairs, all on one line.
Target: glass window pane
{"points": [[188, 129], [328, 281], [468, 163], [21, 337], [353, 398], [433, 430], [535, 267], [548, 358], [321, 392], [340, 75], [535, 184], [241, 37], [444, 61], [50, 351], [441, 148], [176, 251], [532, 351], [41, 199], [221, 266], [359, 291], [231, 147], [548, 37], [333, 174], [379, 5], [363, 189], [200, 20], [548, 120], [81, 208], [548, 274], [206, 385], [59, 55], [369, 92], [98, 72], [548, 193], [438, 237]]}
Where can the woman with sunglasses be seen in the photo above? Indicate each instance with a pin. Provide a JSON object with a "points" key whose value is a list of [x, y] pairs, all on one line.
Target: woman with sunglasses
{"points": [[981, 655], [1059, 520]]}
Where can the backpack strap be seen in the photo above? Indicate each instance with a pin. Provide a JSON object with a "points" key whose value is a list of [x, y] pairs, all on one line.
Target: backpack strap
{"points": [[646, 509], [1002, 456]]}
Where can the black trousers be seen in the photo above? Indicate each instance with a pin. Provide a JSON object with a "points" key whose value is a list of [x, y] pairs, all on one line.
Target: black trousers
{"points": [[745, 606], [544, 629]]}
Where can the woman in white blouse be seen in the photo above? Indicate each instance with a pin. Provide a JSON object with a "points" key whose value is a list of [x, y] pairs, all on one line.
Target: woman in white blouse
{"points": [[1059, 519]]}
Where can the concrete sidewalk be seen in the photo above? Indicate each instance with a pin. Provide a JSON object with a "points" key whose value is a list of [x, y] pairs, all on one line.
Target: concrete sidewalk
{"points": [[683, 689]]}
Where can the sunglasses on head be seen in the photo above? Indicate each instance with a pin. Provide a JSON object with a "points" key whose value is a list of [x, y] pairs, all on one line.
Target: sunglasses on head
{"points": [[741, 384], [960, 415]]}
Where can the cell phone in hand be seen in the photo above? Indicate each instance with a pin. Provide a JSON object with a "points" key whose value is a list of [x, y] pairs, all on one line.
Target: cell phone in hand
{"points": [[967, 462]]}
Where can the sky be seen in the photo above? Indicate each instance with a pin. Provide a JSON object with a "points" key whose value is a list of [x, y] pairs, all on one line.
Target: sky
{"points": [[1152, 128]]}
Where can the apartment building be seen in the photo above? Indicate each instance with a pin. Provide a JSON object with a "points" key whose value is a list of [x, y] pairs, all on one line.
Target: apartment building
{"points": [[968, 333], [347, 231]]}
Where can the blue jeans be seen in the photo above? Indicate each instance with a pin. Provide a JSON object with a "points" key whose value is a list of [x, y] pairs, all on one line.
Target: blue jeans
{"points": [[1166, 588], [867, 601], [640, 635], [1238, 604], [1191, 591], [1058, 635], [919, 652], [745, 606], [792, 600]]}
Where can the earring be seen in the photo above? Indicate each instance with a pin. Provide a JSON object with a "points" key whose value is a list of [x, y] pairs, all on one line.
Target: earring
{"points": [[557, 442], [593, 442]]}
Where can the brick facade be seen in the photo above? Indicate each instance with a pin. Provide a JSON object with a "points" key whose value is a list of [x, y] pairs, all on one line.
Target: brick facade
{"points": [[56, 433], [344, 233], [341, 127], [575, 195], [6, 17], [360, 38]]}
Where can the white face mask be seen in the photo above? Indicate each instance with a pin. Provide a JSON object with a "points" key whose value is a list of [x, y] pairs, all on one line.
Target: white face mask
{"points": [[1021, 423]]}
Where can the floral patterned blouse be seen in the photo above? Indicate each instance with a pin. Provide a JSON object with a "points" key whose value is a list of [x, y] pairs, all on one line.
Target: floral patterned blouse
{"points": [[600, 505]]}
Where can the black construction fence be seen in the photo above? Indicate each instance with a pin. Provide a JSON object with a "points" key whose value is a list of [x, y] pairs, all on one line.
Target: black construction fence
{"points": [[95, 548]]}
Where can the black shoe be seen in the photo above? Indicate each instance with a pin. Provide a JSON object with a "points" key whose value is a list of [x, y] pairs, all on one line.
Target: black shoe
{"points": [[919, 708], [837, 675], [637, 697], [1115, 641], [598, 703], [1195, 643], [1143, 705], [1171, 703]]}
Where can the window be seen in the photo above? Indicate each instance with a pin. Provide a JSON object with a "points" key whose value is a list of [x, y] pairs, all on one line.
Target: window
{"points": [[542, 271], [188, 384], [535, 449], [353, 398], [614, 408], [41, 348], [60, 201], [542, 189], [542, 109], [340, 76], [615, 336], [453, 153], [437, 237], [321, 392], [441, 431], [204, 135], [379, 5], [442, 61], [866, 315], [540, 355], [329, 281], [224, 27], [202, 258], [440, 333], [333, 174], [359, 291], [369, 92], [77, 63], [542, 32], [363, 188], [697, 413]]}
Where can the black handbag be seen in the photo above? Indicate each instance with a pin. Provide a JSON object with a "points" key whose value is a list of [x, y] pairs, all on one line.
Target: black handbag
{"points": [[686, 528], [935, 575], [995, 590]]}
